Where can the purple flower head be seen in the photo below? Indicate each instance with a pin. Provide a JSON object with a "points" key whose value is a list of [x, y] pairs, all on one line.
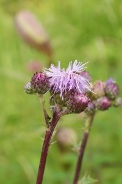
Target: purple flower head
{"points": [[103, 103], [98, 89], [109, 81], [62, 81], [77, 102], [40, 83], [111, 89]]}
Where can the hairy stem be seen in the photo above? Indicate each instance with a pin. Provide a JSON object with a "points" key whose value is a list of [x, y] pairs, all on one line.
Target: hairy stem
{"points": [[45, 148], [82, 149]]}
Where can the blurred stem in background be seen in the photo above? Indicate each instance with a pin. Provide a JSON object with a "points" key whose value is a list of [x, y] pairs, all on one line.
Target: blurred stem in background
{"points": [[82, 148]]}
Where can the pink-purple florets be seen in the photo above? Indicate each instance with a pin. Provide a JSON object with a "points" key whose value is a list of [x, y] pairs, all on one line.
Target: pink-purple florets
{"points": [[71, 89], [61, 80]]}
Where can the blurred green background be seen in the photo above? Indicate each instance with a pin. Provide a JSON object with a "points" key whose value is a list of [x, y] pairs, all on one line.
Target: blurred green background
{"points": [[79, 29]]}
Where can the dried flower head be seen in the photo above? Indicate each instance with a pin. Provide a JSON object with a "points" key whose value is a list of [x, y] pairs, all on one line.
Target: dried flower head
{"points": [[61, 80]]}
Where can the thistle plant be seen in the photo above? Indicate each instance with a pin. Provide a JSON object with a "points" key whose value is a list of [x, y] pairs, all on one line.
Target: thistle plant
{"points": [[71, 92]]}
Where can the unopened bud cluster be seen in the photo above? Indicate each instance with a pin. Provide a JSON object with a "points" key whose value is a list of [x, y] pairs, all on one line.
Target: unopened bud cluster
{"points": [[105, 94]]}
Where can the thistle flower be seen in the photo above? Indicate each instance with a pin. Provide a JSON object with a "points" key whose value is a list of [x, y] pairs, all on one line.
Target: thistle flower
{"points": [[62, 81], [103, 103], [77, 102], [86, 75], [111, 89], [40, 83], [98, 89]]}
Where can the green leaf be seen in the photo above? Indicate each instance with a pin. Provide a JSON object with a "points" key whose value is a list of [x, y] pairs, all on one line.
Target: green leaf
{"points": [[87, 180]]}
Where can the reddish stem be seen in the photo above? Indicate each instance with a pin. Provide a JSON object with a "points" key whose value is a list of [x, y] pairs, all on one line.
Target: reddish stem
{"points": [[45, 147], [82, 149]]}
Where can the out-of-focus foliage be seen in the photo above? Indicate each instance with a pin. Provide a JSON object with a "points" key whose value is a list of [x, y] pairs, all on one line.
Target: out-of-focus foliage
{"points": [[82, 30], [87, 180]]}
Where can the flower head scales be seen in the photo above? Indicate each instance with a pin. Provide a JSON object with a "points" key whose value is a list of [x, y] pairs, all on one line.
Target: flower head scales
{"points": [[61, 80]]}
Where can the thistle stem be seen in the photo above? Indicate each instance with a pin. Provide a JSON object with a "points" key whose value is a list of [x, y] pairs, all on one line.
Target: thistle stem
{"points": [[45, 148], [82, 149]]}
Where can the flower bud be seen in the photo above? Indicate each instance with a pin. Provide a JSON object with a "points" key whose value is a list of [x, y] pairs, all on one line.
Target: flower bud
{"points": [[28, 89], [77, 102], [32, 32], [90, 109], [103, 103], [98, 89], [40, 83], [66, 137], [111, 89], [118, 102]]}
